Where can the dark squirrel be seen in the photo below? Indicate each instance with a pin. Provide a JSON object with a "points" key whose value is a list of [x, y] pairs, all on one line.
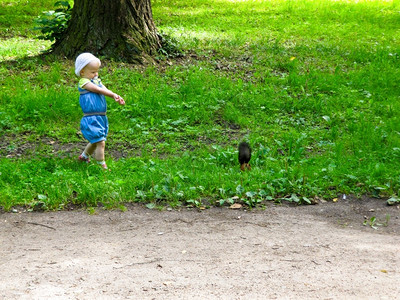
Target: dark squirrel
{"points": [[244, 156]]}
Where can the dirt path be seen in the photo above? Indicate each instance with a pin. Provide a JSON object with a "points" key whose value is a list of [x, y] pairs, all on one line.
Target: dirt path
{"points": [[308, 252]]}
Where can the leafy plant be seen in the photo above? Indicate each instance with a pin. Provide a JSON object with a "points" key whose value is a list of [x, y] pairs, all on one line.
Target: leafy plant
{"points": [[252, 199], [387, 219], [373, 222], [52, 24], [169, 46], [393, 200], [194, 203]]}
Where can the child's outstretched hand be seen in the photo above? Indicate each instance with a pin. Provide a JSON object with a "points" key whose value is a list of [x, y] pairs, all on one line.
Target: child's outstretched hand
{"points": [[119, 99]]}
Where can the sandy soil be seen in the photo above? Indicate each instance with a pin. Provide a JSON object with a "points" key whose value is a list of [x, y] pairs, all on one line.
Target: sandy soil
{"points": [[307, 252]]}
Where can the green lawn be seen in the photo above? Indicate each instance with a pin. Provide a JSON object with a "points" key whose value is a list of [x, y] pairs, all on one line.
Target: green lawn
{"points": [[313, 86]]}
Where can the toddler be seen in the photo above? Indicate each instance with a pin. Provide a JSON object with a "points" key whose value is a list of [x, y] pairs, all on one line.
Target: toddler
{"points": [[94, 124]]}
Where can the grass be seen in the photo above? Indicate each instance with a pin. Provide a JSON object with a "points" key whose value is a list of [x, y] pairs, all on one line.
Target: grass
{"points": [[312, 85]]}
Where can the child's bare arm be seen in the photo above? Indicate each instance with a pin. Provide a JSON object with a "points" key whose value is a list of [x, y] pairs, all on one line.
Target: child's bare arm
{"points": [[104, 91]]}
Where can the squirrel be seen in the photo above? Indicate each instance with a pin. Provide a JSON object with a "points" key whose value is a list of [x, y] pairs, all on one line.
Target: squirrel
{"points": [[244, 156]]}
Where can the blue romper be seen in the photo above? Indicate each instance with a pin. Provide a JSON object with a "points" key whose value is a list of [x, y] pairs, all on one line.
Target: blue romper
{"points": [[94, 124]]}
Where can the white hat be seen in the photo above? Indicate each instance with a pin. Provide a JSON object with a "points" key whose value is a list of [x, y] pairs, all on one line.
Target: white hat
{"points": [[83, 60]]}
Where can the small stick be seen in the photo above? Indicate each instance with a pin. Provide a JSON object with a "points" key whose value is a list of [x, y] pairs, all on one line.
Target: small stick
{"points": [[33, 223]]}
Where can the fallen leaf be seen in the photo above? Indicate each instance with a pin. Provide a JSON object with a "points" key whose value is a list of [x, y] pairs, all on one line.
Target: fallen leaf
{"points": [[235, 206], [334, 199], [384, 271]]}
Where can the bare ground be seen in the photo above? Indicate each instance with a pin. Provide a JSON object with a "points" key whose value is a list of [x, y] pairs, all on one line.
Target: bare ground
{"points": [[307, 252]]}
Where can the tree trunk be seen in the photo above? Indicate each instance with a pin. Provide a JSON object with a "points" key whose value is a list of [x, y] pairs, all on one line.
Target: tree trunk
{"points": [[119, 29]]}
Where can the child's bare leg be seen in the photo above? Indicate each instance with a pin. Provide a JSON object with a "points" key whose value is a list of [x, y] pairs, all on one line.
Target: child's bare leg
{"points": [[97, 150], [85, 156], [99, 154], [89, 149]]}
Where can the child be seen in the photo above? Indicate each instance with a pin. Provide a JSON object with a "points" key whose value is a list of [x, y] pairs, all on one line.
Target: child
{"points": [[94, 124]]}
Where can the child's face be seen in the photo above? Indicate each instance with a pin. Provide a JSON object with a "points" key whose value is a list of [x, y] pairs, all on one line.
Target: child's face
{"points": [[91, 70]]}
